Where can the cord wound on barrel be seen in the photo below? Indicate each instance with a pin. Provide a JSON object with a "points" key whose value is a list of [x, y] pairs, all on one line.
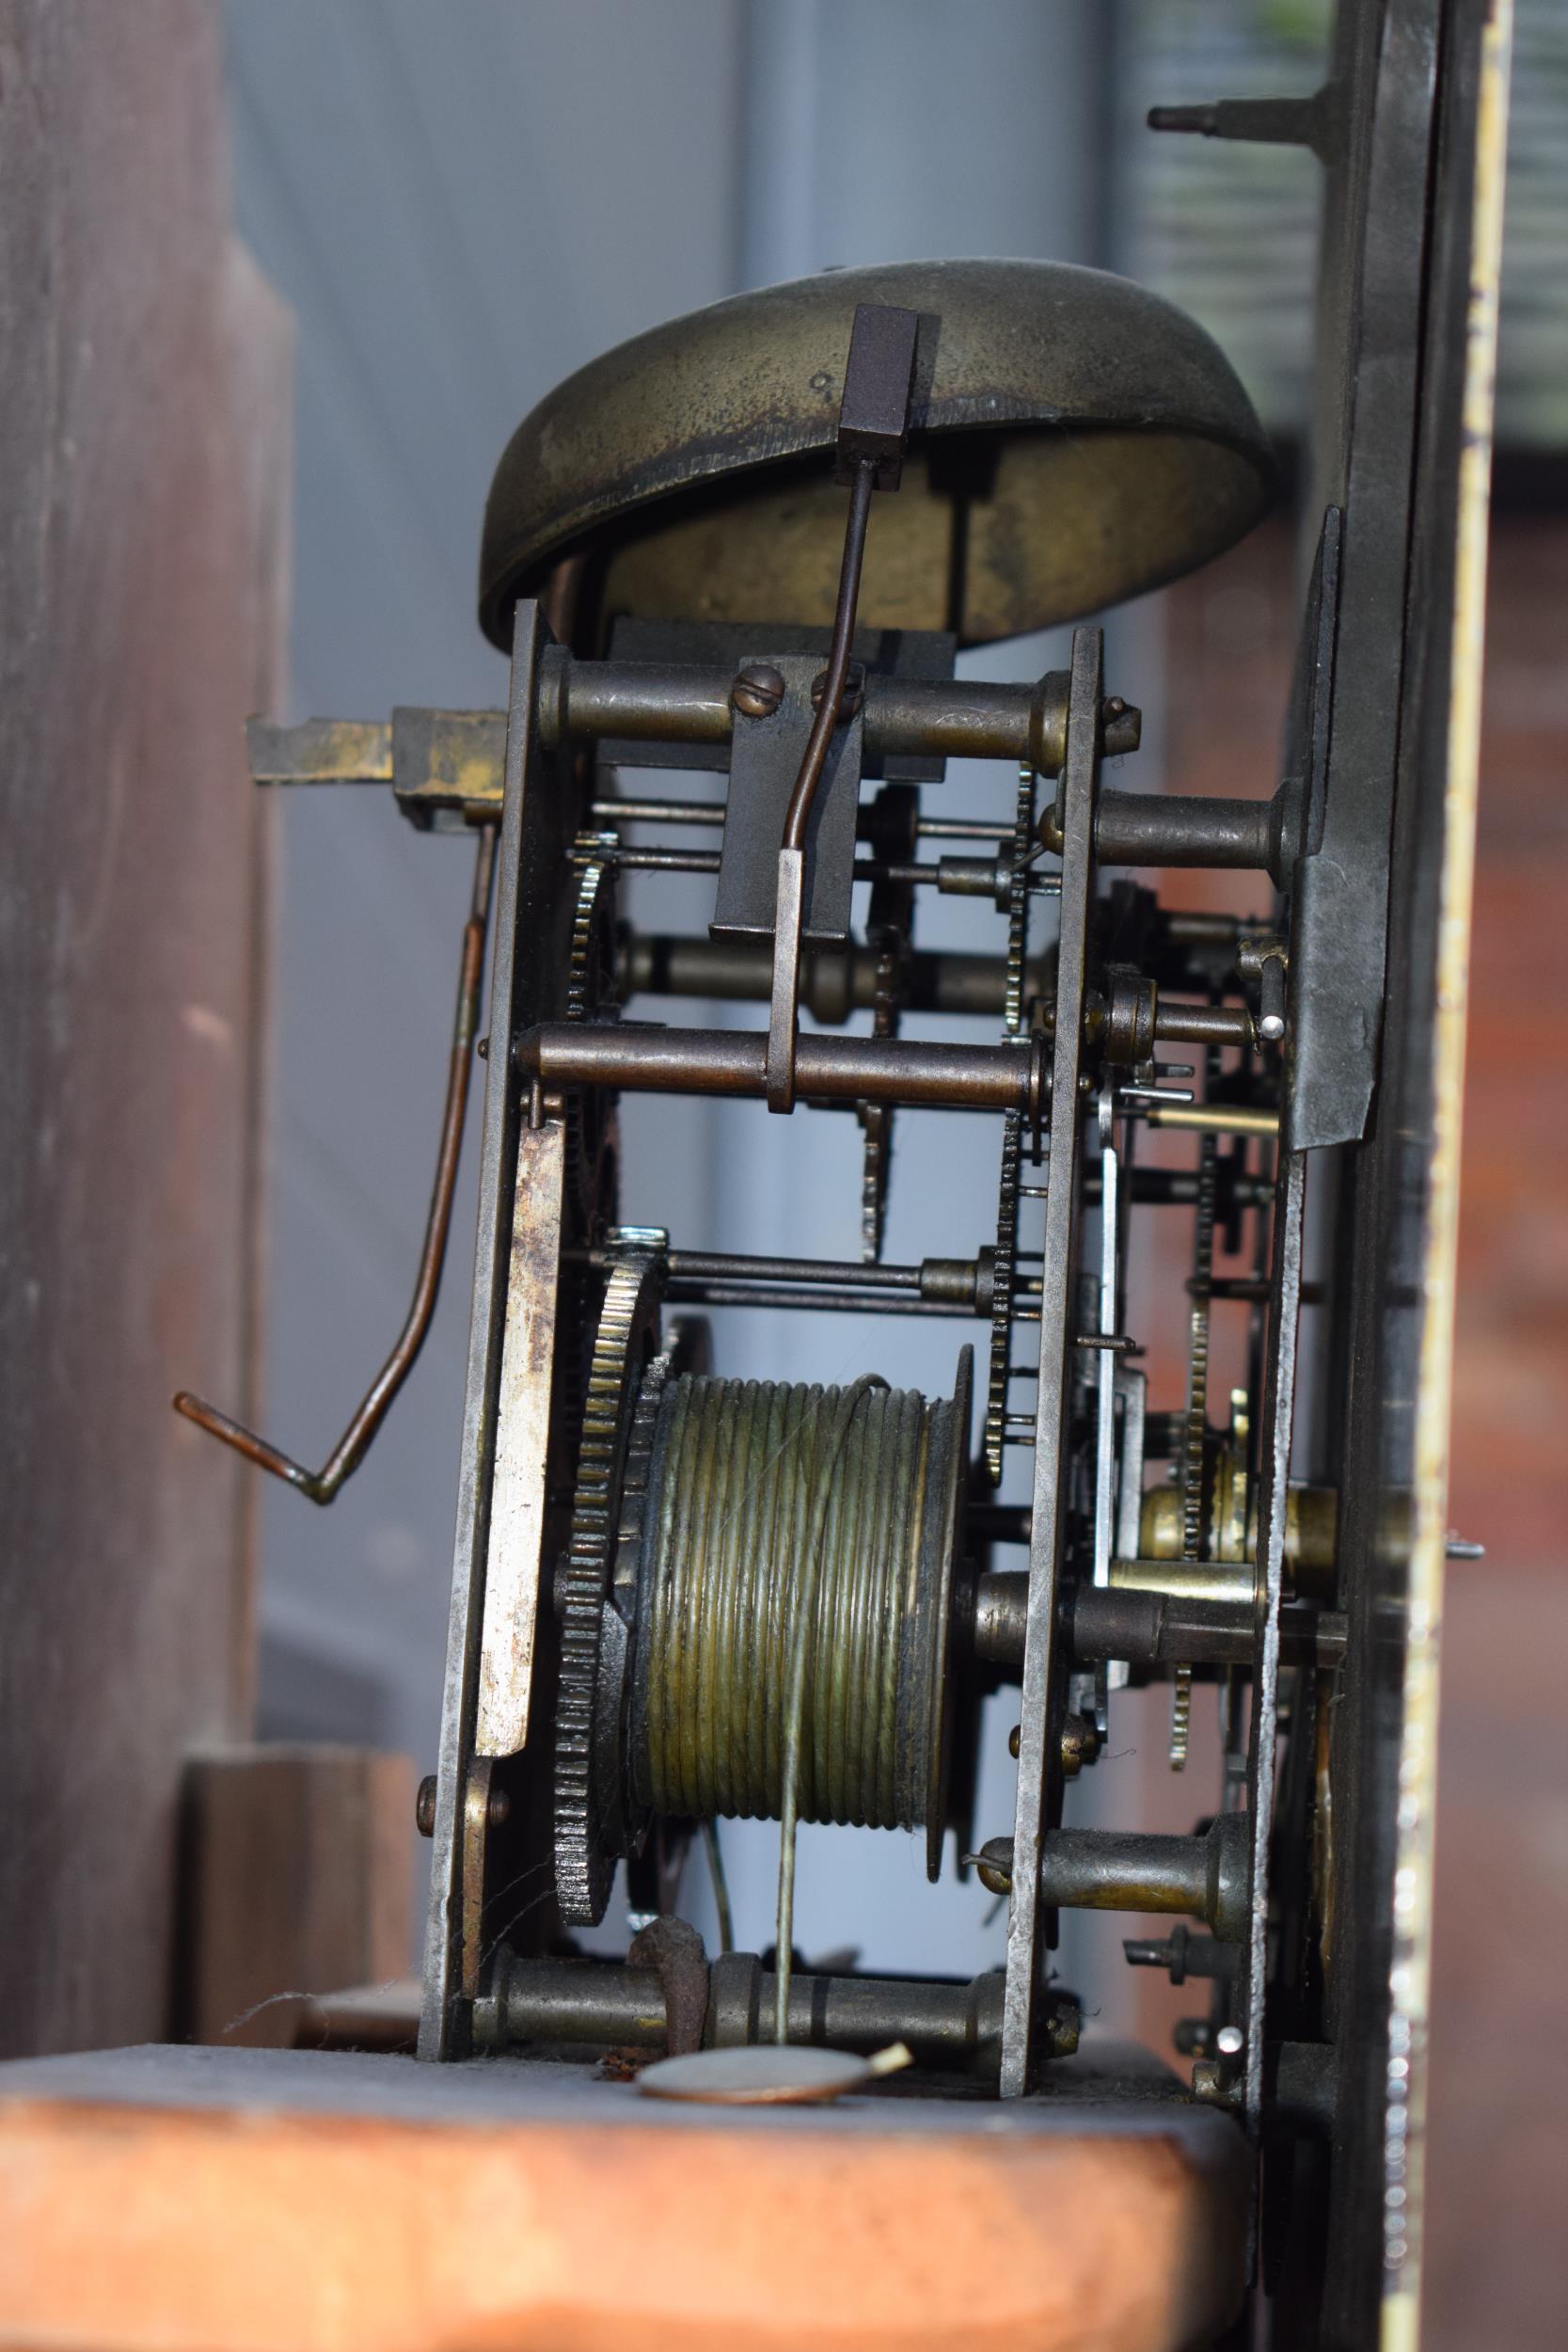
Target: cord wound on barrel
{"points": [[795, 1580]]}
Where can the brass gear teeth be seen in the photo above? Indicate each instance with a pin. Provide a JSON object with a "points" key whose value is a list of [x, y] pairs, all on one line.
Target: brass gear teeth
{"points": [[1180, 1716], [1195, 1435], [1018, 909], [584, 1871], [1002, 1296], [595, 870], [1004, 1258], [877, 1118]]}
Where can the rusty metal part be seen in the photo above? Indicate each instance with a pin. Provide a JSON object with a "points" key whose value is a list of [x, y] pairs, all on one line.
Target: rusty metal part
{"points": [[1075, 440], [674, 1950], [350, 1451], [828, 1069]]}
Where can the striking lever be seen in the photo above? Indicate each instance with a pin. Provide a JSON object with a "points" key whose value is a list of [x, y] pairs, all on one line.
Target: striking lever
{"points": [[873, 419]]}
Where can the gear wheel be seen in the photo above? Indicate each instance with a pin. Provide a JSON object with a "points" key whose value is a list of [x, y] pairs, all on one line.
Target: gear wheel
{"points": [[1018, 904], [877, 1118], [625, 1343], [591, 996], [1004, 1256], [1002, 1261], [1196, 1434]]}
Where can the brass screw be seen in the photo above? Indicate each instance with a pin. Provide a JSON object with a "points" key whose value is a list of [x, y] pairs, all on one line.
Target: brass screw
{"points": [[994, 1866], [758, 690], [1215, 2083], [1080, 1745], [1063, 2028], [498, 1810], [849, 701]]}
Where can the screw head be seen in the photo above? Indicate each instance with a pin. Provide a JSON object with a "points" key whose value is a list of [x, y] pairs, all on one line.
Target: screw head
{"points": [[994, 1866], [1231, 2042], [424, 1806], [1080, 1745], [1064, 2026], [850, 700], [758, 690]]}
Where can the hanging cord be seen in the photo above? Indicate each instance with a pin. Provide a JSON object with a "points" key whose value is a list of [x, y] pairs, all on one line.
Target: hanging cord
{"points": [[720, 1885], [794, 1689]]}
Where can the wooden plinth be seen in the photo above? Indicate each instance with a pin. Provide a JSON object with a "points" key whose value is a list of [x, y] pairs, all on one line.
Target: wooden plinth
{"points": [[243, 2200]]}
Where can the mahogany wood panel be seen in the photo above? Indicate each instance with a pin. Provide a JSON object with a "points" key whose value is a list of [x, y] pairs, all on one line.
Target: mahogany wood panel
{"points": [[144, 404], [298, 1868], [199, 2202]]}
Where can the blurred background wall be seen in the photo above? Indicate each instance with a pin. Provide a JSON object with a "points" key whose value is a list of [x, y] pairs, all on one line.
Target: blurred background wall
{"points": [[462, 204]]}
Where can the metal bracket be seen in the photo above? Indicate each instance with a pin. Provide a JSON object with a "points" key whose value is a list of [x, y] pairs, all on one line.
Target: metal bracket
{"points": [[1040, 1736]]}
